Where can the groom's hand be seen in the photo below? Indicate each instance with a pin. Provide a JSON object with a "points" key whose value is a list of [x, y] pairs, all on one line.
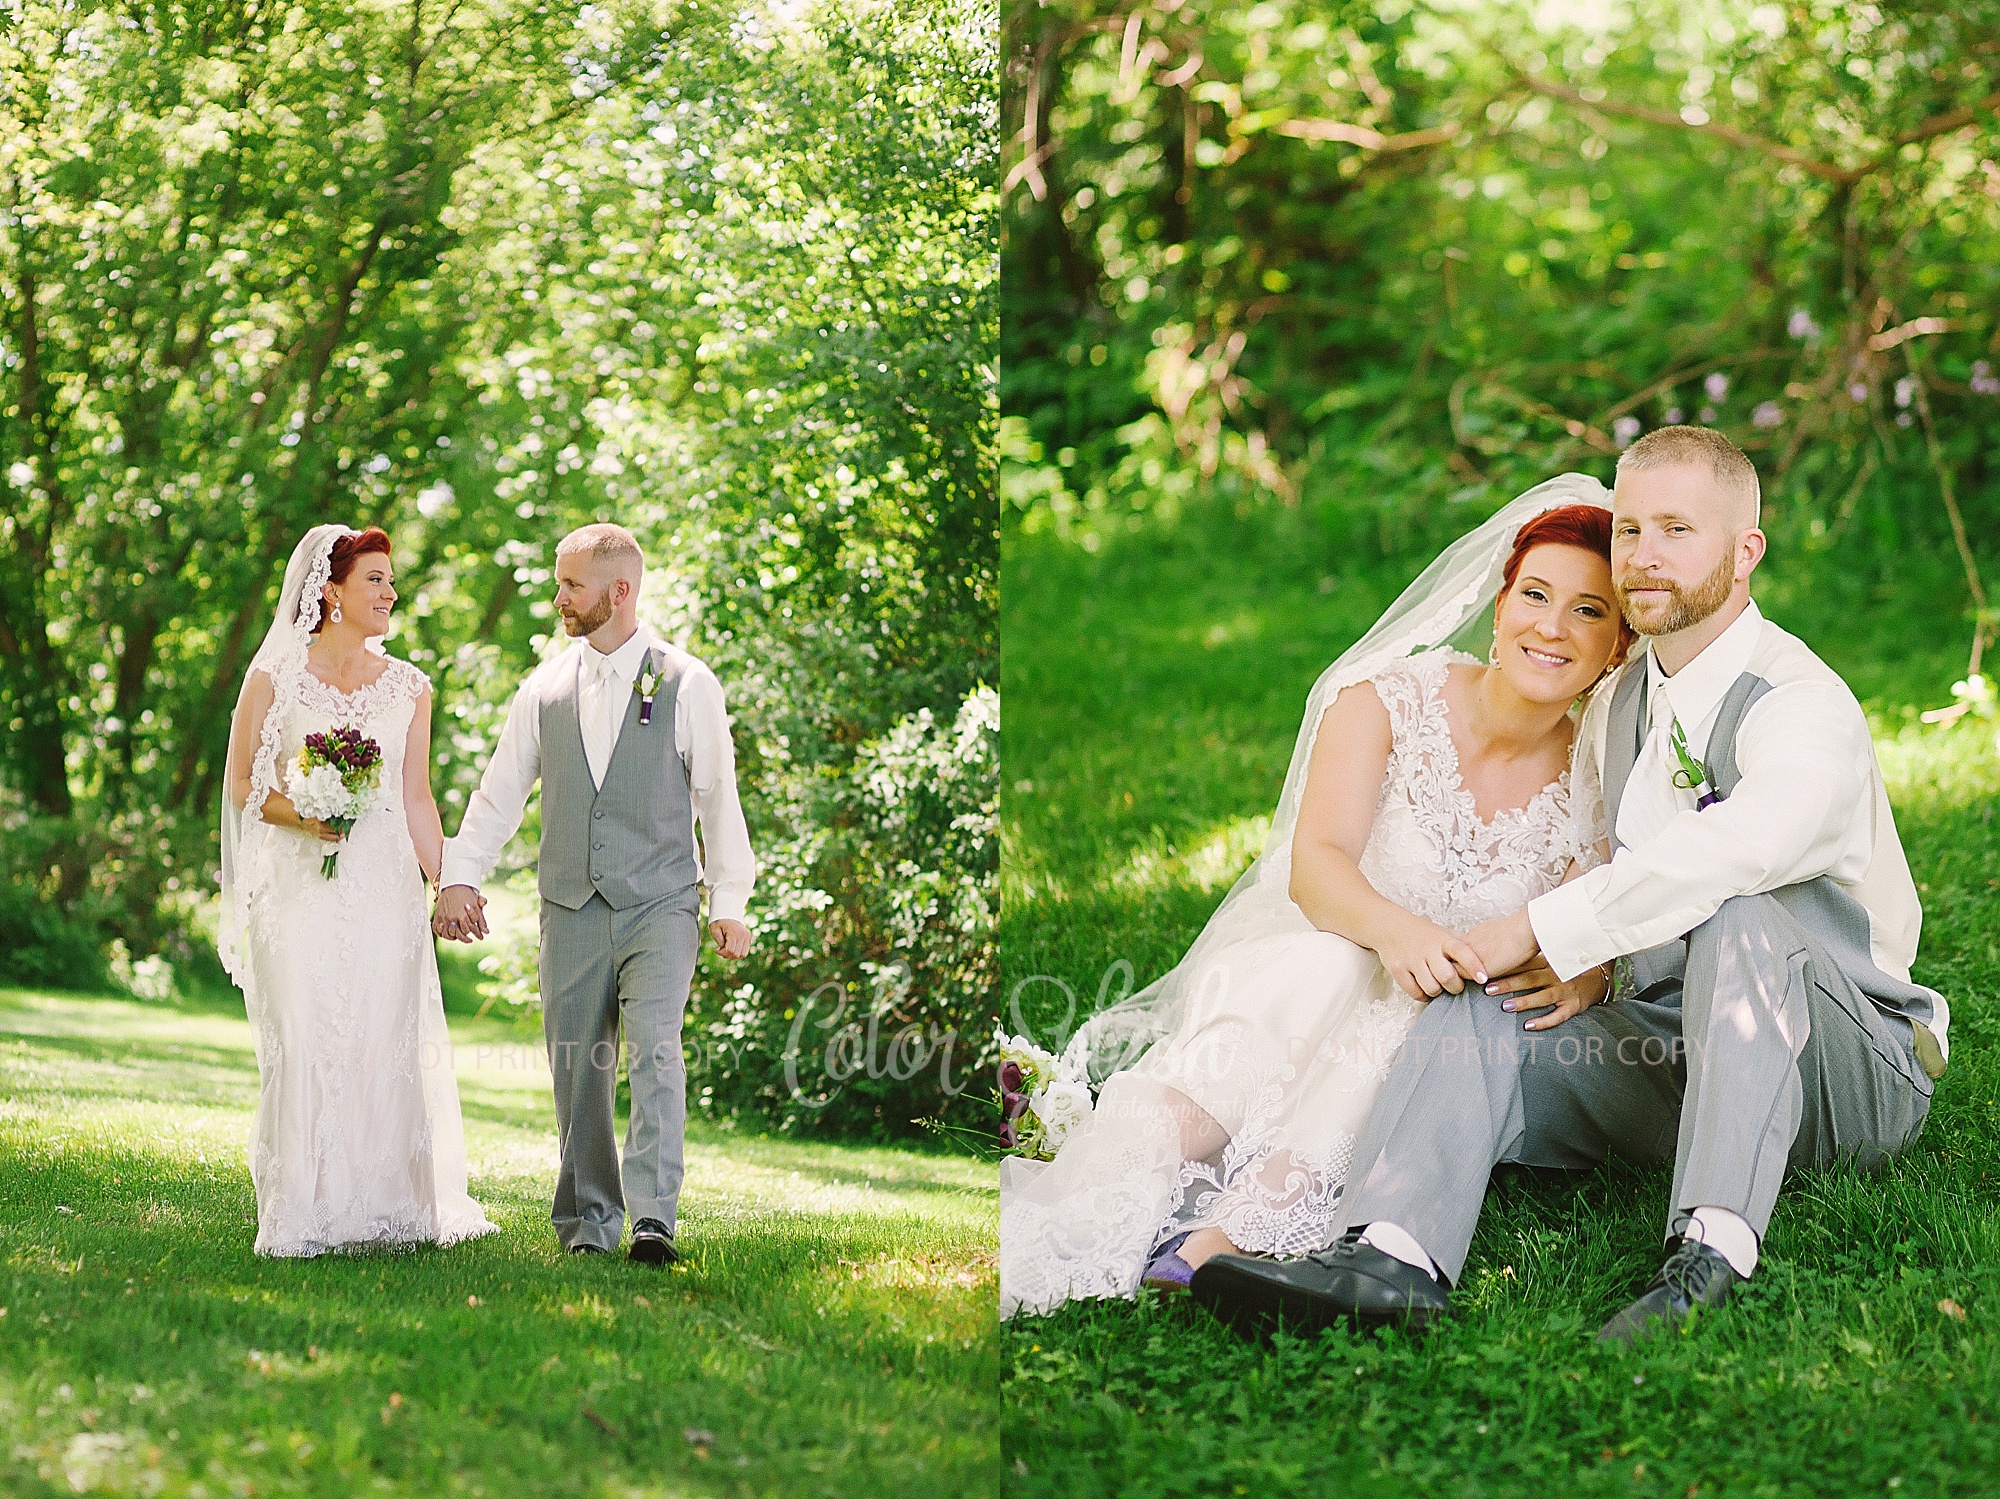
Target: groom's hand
{"points": [[1506, 943], [732, 938], [460, 914]]}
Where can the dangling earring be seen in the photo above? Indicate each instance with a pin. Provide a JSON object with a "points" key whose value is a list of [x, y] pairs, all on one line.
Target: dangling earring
{"points": [[336, 611]]}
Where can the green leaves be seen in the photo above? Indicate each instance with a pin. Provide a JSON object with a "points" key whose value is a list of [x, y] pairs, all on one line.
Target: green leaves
{"points": [[480, 275]]}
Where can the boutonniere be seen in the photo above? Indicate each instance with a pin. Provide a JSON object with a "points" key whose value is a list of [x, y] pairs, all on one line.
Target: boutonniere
{"points": [[1693, 775], [646, 686]]}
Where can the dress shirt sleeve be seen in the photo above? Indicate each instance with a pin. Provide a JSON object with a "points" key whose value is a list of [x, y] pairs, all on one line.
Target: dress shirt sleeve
{"points": [[701, 734], [1803, 750], [494, 814]]}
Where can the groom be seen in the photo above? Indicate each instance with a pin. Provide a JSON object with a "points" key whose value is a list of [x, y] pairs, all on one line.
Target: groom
{"points": [[1764, 921], [628, 736]]}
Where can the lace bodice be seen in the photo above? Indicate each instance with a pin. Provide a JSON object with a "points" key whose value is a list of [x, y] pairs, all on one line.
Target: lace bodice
{"points": [[382, 710], [1429, 850]]}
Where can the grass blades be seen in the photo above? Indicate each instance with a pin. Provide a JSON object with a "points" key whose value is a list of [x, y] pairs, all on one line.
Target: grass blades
{"points": [[1153, 691], [832, 1335]]}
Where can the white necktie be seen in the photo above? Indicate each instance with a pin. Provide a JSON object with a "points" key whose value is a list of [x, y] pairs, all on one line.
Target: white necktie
{"points": [[597, 703]]}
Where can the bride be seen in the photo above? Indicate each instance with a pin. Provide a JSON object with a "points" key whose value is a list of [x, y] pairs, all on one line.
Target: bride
{"points": [[358, 1138], [1428, 792]]}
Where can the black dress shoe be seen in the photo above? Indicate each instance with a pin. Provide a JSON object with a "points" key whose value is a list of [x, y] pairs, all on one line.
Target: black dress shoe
{"points": [[586, 1249], [1694, 1275], [1349, 1282], [653, 1243]]}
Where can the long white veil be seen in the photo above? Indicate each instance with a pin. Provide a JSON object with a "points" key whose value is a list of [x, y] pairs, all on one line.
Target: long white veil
{"points": [[281, 657], [1451, 601]]}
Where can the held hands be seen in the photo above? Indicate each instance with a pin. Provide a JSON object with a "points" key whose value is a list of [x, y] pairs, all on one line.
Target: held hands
{"points": [[1427, 960], [1527, 982], [732, 938], [460, 914]]}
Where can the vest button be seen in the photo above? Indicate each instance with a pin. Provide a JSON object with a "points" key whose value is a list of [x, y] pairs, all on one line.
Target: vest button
{"points": [[598, 815], [597, 845]]}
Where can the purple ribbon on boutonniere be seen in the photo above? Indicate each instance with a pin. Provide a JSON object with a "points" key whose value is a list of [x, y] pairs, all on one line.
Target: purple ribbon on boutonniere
{"points": [[646, 686], [1693, 775]]}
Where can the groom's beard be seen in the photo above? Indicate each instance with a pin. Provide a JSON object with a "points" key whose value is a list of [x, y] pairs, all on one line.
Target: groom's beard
{"points": [[1683, 607], [581, 623]]}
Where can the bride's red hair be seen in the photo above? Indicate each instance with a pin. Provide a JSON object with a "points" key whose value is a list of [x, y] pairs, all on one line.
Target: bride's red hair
{"points": [[1586, 527], [347, 551]]}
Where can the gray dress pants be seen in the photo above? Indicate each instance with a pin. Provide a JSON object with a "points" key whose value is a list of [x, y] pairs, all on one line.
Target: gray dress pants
{"points": [[601, 967], [1744, 1050]]}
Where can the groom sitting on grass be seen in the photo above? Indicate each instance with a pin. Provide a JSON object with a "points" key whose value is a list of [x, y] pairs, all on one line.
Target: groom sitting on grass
{"points": [[1764, 918]]}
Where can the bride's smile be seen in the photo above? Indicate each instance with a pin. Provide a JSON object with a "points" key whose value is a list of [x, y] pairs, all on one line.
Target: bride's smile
{"points": [[1556, 628]]}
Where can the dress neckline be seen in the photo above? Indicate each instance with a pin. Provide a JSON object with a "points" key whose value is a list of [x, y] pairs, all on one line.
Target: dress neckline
{"points": [[388, 665], [1434, 690]]}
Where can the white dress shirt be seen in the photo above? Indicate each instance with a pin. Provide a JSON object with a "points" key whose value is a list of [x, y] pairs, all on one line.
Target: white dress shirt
{"points": [[701, 736], [1811, 802]]}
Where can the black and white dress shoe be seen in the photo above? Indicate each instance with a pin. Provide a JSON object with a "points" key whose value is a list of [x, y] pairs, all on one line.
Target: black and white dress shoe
{"points": [[652, 1243], [1348, 1282], [586, 1249], [1694, 1275]]}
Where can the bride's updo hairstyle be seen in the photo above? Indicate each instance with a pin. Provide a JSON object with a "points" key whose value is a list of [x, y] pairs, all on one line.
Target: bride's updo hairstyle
{"points": [[1586, 527], [349, 549]]}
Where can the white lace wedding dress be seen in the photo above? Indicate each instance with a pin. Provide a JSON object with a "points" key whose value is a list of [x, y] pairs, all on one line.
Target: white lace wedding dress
{"points": [[358, 1137], [1287, 1039]]}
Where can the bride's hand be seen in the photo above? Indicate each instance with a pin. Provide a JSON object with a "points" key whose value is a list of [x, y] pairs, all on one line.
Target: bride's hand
{"points": [[278, 810], [1536, 987], [1427, 960]]}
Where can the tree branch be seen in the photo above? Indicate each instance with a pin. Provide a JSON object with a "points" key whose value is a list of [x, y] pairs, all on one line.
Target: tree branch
{"points": [[1727, 133], [1941, 124]]}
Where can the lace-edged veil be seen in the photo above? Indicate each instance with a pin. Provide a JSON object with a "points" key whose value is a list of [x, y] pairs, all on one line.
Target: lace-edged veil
{"points": [[281, 657], [1450, 603]]}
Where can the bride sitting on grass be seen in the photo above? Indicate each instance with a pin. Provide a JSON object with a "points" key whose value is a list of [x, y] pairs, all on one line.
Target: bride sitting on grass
{"points": [[1429, 792]]}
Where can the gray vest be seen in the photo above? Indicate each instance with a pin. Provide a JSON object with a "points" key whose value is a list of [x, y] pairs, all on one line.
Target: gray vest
{"points": [[1833, 917], [632, 839]]}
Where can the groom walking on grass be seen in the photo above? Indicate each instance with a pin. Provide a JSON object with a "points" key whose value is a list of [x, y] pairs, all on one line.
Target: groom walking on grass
{"points": [[630, 741], [1762, 918]]}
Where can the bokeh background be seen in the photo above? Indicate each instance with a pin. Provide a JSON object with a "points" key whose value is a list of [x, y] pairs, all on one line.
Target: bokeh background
{"points": [[1384, 265], [478, 274]]}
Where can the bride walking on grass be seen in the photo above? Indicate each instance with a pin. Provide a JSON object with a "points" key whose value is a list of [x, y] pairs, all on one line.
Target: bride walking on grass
{"points": [[1429, 792], [329, 833]]}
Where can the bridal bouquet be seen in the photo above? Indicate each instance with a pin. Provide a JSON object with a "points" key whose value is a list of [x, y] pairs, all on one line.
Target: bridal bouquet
{"points": [[1038, 1108], [336, 777]]}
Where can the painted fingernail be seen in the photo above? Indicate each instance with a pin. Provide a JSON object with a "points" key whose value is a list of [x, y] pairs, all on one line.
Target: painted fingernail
{"points": [[1507, 1004]]}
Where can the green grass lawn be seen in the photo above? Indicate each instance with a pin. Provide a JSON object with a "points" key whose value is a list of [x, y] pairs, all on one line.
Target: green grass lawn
{"points": [[1153, 692], [832, 1335]]}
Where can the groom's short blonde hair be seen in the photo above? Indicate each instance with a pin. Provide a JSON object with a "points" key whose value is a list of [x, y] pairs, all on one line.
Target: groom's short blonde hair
{"points": [[607, 546], [1700, 447]]}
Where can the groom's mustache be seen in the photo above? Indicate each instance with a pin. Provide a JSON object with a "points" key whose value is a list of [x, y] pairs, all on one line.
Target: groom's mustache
{"points": [[1683, 606]]}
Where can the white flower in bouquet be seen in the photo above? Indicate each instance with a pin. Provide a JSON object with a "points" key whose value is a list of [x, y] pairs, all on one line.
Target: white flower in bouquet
{"points": [[321, 793], [1061, 1107]]}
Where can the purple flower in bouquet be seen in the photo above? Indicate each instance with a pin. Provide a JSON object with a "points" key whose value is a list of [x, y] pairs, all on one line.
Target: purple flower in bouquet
{"points": [[335, 777], [1038, 1107]]}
